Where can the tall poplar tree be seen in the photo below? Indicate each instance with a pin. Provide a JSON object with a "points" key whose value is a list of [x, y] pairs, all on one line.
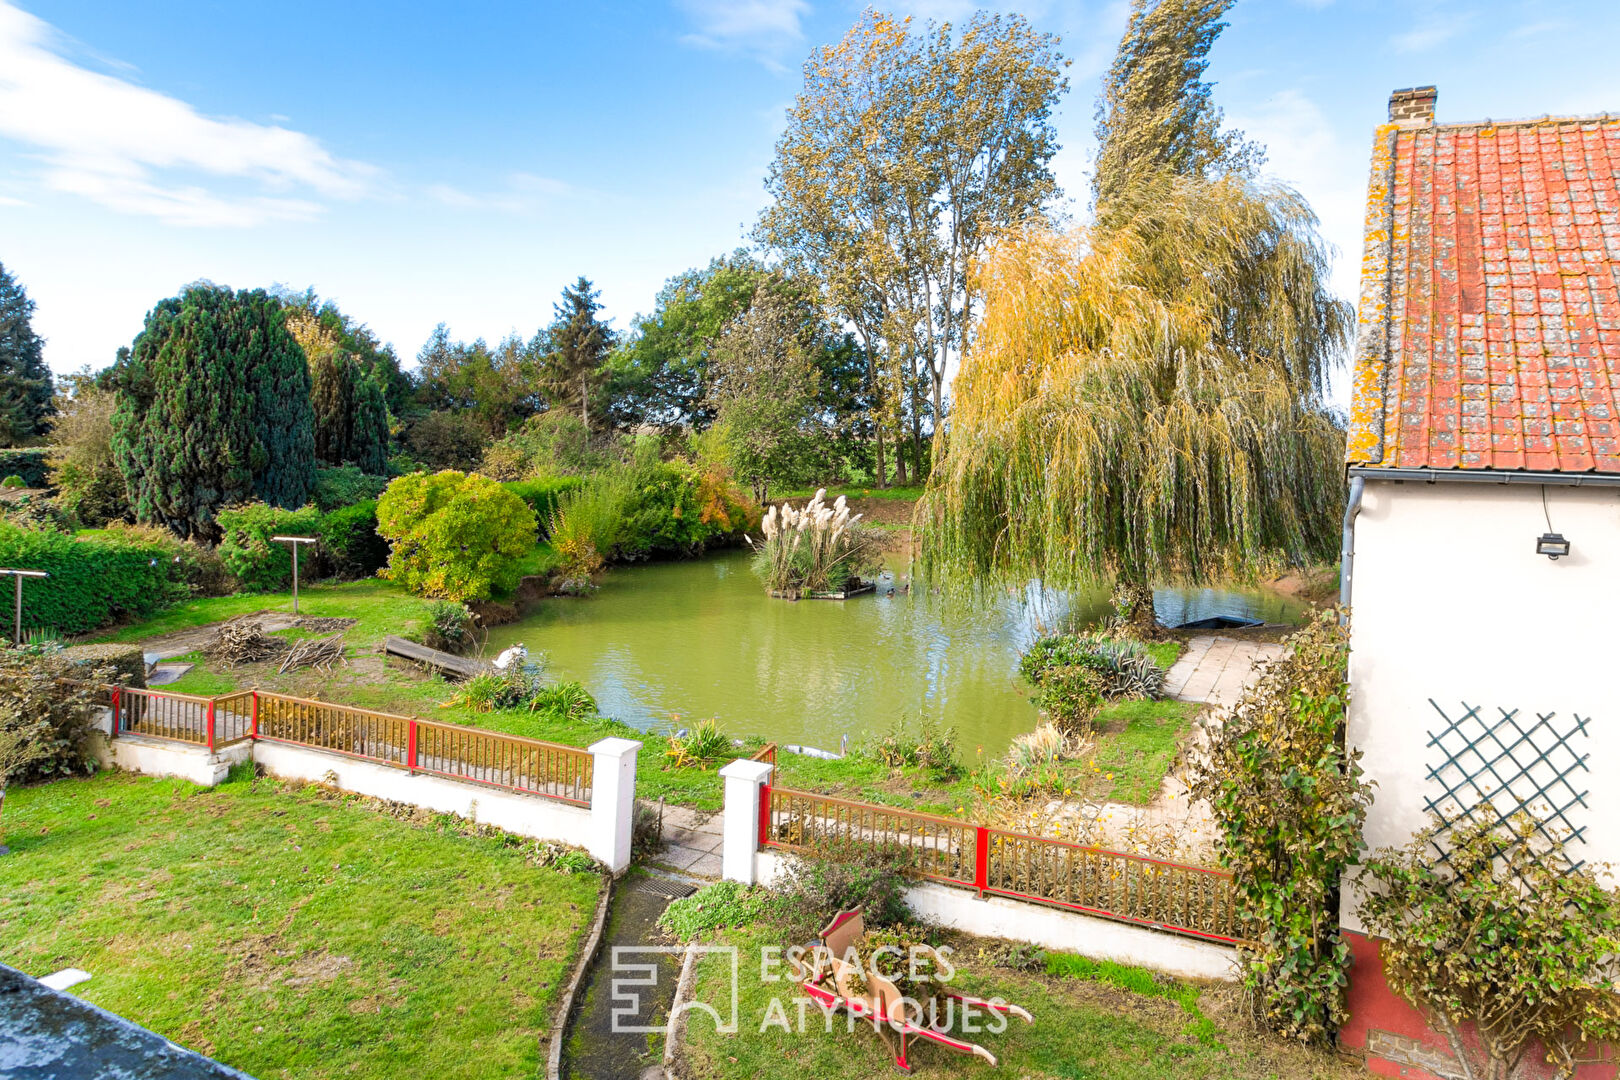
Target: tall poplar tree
{"points": [[905, 152], [213, 409], [1143, 398], [25, 381], [1156, 114]]}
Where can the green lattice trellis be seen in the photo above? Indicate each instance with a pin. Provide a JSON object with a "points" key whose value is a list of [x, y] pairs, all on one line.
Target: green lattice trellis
{"points": [[1493, 770]]}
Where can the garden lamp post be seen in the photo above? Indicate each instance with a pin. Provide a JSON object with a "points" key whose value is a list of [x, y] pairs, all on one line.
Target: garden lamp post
{"points": [[292, 542], [18, 576]]}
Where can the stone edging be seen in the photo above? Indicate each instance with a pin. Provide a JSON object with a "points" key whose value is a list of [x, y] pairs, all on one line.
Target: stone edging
{"points": [[559, 1027], [676, 1030]]}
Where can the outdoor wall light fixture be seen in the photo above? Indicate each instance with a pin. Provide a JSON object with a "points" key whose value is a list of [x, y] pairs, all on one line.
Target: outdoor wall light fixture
{"points": [[1553, 545]]}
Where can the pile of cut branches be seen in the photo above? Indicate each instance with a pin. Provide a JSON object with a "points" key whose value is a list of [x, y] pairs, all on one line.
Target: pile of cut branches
{"points": [[318, 653], [242, 640], [325, 624]]}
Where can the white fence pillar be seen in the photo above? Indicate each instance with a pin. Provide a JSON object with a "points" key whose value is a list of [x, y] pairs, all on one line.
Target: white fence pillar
{"points": [[613, 801], [740, 830]]}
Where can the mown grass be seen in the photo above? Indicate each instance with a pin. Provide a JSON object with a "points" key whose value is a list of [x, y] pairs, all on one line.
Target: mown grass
{"points": [[1141, 754], [382, 608], [288, 931], [1084, 1029], [1137, 745]]}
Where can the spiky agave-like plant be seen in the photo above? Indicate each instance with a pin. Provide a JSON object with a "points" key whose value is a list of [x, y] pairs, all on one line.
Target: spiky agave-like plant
{"points": [[1143, 399]]}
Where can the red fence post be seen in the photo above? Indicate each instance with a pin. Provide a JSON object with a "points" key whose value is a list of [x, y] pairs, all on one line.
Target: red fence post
{"points": [[410, 748], [981, 859], [253, 729], [764, 814], [117, 693], [210, 724]]}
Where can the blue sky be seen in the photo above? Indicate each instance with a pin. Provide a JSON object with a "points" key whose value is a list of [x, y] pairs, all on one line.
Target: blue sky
{"points": [[462, 162]]}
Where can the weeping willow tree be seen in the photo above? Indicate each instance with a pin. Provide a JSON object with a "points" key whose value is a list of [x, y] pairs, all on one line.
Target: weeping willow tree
{"points": [[1143, 401]]}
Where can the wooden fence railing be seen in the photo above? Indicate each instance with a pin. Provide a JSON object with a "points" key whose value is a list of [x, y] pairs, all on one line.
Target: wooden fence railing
{"points": [[428, 746], [1195, 901]]}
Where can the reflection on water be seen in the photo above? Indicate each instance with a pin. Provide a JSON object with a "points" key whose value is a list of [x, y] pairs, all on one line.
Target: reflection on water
{"points": [[672, 643]]}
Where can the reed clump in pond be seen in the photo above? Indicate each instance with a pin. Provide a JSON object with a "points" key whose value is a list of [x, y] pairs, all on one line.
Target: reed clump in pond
{"points": [[817, 549]]}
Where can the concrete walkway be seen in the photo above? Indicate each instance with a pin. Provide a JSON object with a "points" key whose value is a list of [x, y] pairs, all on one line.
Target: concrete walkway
{"points": [[691, 842], [1214, 670]]}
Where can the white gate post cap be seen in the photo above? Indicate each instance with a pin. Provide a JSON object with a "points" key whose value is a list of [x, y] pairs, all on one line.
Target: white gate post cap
{"points": [[743, 769], [615, 747]]}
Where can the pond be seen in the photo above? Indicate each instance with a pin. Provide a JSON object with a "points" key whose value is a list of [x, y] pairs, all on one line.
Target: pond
{"points": [[664, 645]]}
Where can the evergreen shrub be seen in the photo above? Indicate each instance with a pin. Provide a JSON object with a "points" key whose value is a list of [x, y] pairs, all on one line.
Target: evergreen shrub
{"points": [[337, 486], [260, 564], [350, 544], [29, 464], [454, 536], [93, 581]]}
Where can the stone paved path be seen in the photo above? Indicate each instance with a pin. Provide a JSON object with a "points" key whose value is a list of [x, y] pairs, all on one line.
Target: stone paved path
{"points": [[1215, 669], [691, 841]]}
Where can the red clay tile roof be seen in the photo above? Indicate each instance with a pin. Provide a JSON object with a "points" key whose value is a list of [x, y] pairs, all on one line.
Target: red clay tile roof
{"points": [[1490, 320]]}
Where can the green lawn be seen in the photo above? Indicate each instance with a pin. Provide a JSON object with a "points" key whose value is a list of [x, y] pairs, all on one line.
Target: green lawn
{"points": [[1140, 755], [1136, 746], [1084, 1029], [288, 931], [381, 607]]}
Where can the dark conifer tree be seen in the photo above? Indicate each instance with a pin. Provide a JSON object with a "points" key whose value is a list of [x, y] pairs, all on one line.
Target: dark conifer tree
{"points": [[25, 382], [213, 409], [351, 416], [573, 366]]}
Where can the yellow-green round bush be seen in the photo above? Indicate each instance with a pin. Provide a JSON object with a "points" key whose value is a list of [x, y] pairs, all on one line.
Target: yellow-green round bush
{"points": [[455, 535]]}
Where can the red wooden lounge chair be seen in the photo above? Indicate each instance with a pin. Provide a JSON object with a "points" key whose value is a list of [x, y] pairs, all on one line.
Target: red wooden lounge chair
{"points": [[897, 1021]]}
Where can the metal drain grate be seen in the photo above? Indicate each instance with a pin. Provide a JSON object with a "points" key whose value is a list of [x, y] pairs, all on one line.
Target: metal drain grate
{"points": [[669, 888]]}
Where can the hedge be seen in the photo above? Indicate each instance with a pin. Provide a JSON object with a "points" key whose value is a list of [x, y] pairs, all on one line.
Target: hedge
{"points": [[92, 582], [260, 564], [542, 496], [127, 660], [350, 545], [26, 463]]}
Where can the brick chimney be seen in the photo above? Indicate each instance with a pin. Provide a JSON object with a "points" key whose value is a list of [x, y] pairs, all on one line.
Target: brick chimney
{"points": [[1413, 107]]}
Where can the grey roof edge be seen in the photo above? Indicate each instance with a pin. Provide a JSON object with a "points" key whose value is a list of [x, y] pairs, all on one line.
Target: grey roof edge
{"points": [[51, 1033]]}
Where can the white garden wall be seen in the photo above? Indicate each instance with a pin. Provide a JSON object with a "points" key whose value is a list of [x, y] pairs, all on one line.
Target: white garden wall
{"points": [[1451, 602], [1054, 928], [603, 828]]}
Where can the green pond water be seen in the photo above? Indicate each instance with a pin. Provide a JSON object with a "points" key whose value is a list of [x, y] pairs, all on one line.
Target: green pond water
{"points": [[664, 645]]}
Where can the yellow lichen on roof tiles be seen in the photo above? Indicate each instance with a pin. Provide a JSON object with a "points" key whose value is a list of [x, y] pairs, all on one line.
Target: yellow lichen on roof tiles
{"points": [[1366, 433]]}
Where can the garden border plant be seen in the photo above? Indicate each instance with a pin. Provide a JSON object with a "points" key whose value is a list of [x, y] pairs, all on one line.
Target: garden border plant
{"points": [[1500, 942], [1289, 801]]}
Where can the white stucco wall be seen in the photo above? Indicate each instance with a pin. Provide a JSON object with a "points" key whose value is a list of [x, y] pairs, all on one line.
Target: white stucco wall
{"points": [[1451, 602], [162, 757]]}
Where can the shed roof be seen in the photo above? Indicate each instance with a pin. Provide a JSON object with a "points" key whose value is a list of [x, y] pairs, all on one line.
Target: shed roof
{"points": [[1489, 333]]}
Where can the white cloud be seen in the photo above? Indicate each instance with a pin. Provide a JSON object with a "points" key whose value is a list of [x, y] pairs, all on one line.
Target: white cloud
{"points": [[761, 27], [1429, 32], [522, 193], [7, 200], [139, 151]]}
